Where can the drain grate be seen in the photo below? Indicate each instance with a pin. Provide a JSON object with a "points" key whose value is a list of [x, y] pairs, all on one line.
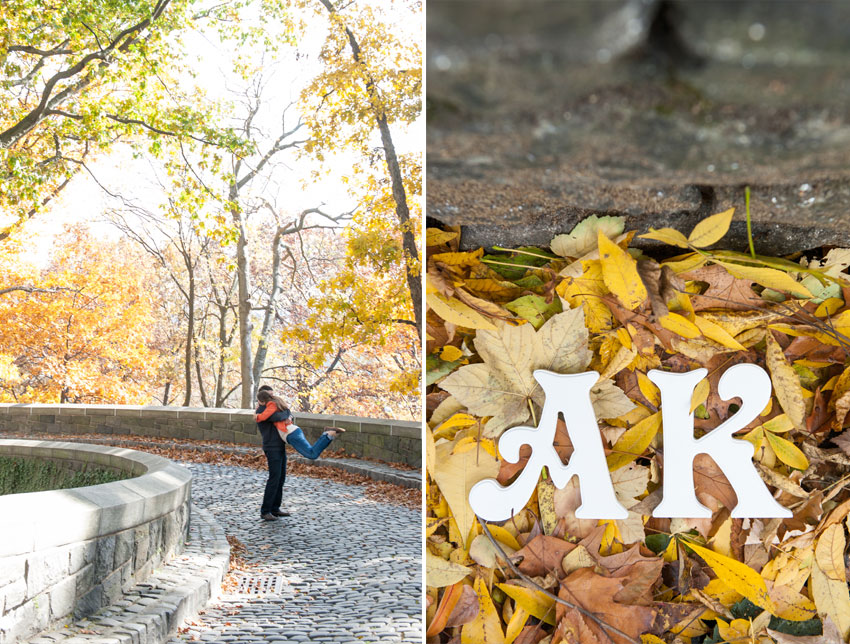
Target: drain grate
{"points": [[260, 585]]}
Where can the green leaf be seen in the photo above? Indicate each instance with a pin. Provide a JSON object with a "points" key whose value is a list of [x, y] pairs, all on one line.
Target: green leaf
{"points": [[534, 308]]}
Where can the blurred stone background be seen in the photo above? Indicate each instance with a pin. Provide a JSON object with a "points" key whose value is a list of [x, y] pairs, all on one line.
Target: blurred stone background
{"points": [[542, 112]]}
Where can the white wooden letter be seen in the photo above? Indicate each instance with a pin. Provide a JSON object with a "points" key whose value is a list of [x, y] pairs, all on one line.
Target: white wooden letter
{"points": [[751, 384], [569, 394]]}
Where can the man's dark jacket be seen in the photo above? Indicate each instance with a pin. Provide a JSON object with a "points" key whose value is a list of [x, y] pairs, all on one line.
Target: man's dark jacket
{"points": [[271, 438]]}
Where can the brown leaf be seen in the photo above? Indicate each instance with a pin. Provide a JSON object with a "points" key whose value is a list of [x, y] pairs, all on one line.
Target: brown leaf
{"points": [[724, 291], [466, 608], [661, 284], [542, 554], [709, 479], [595, 594]]}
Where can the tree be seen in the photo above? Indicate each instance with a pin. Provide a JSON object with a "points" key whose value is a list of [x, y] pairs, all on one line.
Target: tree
{"points": [[81, 336], [371, 79], [80, 76]]}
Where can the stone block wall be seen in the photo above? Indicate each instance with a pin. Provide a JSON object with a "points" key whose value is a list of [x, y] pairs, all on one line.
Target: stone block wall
{"points": [[64, 554], [395, 441]]}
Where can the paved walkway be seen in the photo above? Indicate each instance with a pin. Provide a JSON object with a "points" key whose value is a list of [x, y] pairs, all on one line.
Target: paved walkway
{"points": [[350, 566]]}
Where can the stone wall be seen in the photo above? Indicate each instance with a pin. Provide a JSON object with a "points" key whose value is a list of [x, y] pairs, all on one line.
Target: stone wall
{"points": [[395, 441], [66, 553]]}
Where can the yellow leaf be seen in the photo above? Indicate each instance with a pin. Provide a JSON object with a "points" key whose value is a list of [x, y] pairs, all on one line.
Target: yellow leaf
{"points": [[735, 631], [717, 333], [787, 452], [786, 382], [619, 271], [839, 402], [578, 557], [779, 424], [435, 236], [669, 236], [431, 525], [829, 307], [790, 604], [648, 638], [456, 312], [458, 420], [586, 291], [769, 277], [700, 394], [634, 442], [455, 474], [459, 259], [486, 627], [624, 337], [685, 262], [829, 552], [738, 576], [517, 623], [680, 325], [536, 603], [503, 536], [711, 229], [450, 353], [648, 389], [439, 572], [832, 599]]}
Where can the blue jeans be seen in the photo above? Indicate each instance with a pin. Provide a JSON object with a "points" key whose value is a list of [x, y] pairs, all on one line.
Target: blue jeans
{"points": [[273, 494], [296, 439]]}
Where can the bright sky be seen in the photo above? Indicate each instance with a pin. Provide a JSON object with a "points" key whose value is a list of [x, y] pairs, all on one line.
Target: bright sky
{"points": [[293, 188]]}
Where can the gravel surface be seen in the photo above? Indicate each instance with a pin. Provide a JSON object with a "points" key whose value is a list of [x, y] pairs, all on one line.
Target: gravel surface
{"points": [[350, 565]]}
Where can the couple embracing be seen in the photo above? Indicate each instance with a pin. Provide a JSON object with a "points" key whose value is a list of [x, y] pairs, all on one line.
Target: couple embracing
{"points": [[274, 421]]}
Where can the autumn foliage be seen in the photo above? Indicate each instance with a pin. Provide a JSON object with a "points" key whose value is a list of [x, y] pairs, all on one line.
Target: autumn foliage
{"points": [[591, 302]]}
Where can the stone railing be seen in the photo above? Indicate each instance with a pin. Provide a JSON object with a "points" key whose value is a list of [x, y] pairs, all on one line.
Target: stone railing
{"points": [[64, 554], [395, 441]]}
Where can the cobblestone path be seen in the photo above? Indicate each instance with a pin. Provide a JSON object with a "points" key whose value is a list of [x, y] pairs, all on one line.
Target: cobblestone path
{"points": [[350, 566]]}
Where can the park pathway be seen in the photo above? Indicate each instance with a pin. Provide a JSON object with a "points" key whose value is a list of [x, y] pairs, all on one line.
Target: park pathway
{"points": [[343, 569]]}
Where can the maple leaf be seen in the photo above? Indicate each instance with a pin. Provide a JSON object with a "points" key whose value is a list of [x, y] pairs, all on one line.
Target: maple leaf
{"points": [[503, 386]]}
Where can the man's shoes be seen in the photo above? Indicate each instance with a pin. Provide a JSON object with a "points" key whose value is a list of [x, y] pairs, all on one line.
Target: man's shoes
{"points": [[280, 513], [268, 516]]}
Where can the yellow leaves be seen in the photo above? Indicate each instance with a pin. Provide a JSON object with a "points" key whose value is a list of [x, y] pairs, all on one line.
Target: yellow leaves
{"points": [[829, 553], [738, 576], [787, 452], [831, 596], [768, 277], [531, 600], [786, 382], [586, 292], [669, 236], [680, 325], [437, 237], [711, 229], [456, 312], [717, 333], [450, 353], [707, 232], [486, 627], [619, 271], [634, 442], [439, 572], [455, 474], [839, 402]]}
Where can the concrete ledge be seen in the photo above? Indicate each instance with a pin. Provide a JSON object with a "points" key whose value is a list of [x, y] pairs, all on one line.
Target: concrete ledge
{"points": [[76, 550], [394, 441]]}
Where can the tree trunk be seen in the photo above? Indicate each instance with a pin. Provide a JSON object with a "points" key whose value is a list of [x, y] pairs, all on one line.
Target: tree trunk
{"points": [[166, 393], [190, 337], [221, 372], [244, 293]]}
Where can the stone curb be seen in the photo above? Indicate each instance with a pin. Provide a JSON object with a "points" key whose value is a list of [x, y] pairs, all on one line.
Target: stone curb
{"points": [[374, 471], [151, 611]]}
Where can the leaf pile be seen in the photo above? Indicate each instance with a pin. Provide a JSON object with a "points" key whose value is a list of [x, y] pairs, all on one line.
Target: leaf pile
{"points": [[590, 302]]}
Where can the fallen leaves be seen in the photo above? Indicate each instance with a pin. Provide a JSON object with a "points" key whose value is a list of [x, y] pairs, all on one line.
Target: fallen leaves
{"points": [[592, 303]]}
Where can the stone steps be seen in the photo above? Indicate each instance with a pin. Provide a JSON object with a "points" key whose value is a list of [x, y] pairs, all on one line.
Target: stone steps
{"points": [[152, 610]]}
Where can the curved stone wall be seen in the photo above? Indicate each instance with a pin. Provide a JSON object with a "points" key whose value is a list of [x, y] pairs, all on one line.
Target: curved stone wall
{"points": [[396, 441], [66, 553]]}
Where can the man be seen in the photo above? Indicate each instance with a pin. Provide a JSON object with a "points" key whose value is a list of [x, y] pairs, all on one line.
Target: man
{"points": [[275, 450]]}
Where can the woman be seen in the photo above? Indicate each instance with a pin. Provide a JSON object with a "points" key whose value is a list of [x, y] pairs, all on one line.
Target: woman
{"points": [[276, 411]]}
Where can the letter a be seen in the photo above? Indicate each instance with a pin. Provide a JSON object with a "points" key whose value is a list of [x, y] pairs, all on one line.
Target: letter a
{"points": [[569, 394], [751, 384]]}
